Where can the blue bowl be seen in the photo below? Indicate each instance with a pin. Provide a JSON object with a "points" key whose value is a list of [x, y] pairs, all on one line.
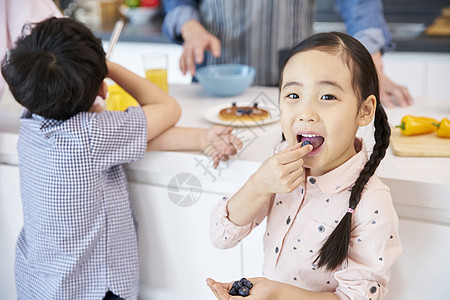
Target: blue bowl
{"points": [[226, 80]]}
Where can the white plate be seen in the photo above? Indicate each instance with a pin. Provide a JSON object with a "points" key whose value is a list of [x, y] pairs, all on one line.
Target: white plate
{"points": [[212, 115]]}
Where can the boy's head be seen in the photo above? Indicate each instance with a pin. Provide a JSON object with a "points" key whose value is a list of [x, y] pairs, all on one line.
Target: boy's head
{"points": [[56, 70]]}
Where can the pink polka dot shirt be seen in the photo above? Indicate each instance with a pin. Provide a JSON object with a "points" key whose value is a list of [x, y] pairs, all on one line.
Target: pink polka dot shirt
{"points": [[299, 222]]}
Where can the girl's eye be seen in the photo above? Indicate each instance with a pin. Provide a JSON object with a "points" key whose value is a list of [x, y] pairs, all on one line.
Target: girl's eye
{"points": [[293, 96], [328, 97]]}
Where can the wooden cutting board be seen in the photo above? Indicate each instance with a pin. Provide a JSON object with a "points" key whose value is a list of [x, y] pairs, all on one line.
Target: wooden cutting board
{"points": [[419, 145]]}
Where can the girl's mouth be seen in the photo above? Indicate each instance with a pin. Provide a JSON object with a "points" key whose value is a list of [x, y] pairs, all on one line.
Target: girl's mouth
{"points": [[315, 139]]}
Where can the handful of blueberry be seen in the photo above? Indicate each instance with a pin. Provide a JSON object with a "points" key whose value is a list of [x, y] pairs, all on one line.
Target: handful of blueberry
{"points": [[241, 288]]}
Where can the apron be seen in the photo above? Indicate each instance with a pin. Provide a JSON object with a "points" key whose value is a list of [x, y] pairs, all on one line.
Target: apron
{"points": [[259, 33]]}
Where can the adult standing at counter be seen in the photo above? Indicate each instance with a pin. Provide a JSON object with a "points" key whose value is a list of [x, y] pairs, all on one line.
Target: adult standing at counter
{"points": [[257, 32], [16, 13]]}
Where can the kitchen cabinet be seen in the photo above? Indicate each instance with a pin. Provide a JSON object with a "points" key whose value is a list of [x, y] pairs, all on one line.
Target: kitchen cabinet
{"points": [[425, 74], [422, 271], [176, 255], [438, 79], [11, 221]]}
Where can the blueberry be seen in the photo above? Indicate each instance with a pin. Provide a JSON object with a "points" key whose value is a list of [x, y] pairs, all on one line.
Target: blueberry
{"points": [[233, 292], [244, 291], [241, 287], [306, 143], [237, 285], [247, 283]]}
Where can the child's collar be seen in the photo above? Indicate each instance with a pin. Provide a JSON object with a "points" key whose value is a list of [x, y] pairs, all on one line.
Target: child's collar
{"points": [[344, 176]]}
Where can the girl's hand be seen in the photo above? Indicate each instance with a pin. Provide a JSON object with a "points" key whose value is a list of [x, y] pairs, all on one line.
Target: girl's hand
{"points": [[219, 143], [282, 173], [262, 289]]}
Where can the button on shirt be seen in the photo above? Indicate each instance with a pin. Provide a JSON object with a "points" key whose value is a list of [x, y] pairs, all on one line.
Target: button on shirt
{"points": [[79, 236], [300, 221]]}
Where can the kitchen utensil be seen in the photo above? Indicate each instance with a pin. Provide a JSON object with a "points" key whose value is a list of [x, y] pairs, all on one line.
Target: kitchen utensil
{"points": [[139, 15], [114, 37], [226, 80], [419, 145]]}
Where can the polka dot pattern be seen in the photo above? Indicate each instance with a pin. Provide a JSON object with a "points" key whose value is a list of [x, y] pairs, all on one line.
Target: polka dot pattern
{"points": [[299, 222]]}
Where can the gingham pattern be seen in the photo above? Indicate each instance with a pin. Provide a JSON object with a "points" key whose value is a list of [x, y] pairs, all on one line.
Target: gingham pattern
{"points": [[79, 237]]}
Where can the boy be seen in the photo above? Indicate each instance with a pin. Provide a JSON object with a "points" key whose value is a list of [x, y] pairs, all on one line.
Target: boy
{"points": [[79, 235]]}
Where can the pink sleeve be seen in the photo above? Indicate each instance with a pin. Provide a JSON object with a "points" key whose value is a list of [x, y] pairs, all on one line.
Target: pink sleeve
{"points": [[21, 12], [374, 248], [14, 14], [224, 233]]}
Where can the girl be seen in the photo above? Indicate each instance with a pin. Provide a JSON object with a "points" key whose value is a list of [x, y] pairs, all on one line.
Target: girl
{"points": [[332, 231]]}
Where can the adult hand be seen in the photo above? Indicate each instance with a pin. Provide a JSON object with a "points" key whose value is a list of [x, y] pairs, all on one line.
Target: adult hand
{"points": [[219, 143], [390, 92], [197, 40], [282, 173]]}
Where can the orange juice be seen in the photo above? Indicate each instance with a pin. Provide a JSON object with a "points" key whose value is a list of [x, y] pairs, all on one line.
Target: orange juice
{"points": [[158, 77]]}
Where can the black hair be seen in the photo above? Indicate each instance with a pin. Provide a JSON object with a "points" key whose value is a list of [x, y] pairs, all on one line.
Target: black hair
{"points": [[365, 83], [56, 70]]}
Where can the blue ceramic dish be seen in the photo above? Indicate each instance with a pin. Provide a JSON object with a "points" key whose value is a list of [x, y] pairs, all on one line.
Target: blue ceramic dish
{"points": [[226, 80]]}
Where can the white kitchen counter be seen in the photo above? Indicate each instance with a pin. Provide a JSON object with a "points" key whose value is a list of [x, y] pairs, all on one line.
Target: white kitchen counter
{"points": [[416, 182]]}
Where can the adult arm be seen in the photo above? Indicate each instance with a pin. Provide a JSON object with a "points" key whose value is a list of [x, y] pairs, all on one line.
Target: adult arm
{"points": [[372, 31], [182, 25], [177, 12]]}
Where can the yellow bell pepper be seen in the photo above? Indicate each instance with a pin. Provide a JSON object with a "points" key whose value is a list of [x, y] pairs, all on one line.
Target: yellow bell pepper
{"points": [[411, 125], [443, 128]]}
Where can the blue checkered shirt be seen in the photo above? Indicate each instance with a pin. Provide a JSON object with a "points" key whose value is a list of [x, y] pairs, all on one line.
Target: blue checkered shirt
{"points": [[79, 237]]}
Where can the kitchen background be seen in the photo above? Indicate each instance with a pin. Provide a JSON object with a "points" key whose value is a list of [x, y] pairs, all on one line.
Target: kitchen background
{"points": [[420, 186], [406, 19], [421, 41]]}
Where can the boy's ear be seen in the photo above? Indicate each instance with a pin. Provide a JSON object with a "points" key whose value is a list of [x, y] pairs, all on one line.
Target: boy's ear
{"points": [[367, 110], [103, 90]]}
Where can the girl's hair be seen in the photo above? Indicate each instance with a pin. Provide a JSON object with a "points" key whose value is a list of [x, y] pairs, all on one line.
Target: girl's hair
{"points": [[365, 83], [56, 70]]}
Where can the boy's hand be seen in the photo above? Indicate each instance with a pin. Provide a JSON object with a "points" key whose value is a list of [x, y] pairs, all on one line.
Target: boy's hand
{"points": [[261, 290], [219, 143], [282, 173]]}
